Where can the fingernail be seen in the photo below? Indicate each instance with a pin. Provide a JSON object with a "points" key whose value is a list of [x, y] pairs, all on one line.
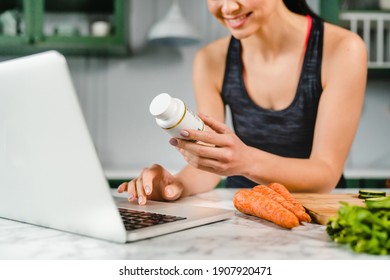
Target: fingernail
{"points": [[131, 197], [203, 115], [184, 133], [169, 191], [148, 190], [140, 199], [173, 142]]}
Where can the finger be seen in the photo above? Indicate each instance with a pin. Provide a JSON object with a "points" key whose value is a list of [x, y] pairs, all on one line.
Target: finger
{"points": [[215, 125], [208, 163], [131, 190], [189, 149], [205, 138], [122, 187], [148, 176], [140, 191], [172, 192]]}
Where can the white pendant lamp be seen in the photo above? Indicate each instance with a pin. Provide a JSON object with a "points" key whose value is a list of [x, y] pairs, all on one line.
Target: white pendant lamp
{"points": [[173, 29]]}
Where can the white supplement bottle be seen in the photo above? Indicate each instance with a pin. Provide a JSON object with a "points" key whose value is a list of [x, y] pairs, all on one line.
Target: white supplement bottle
{"points": [[173, 115]]}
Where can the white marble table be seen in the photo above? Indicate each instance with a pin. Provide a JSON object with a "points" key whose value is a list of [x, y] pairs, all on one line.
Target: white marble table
{"points": [[240, 237]]}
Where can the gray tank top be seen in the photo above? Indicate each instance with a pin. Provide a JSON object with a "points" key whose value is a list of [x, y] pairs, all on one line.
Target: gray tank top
{"points": [[288, 132]]}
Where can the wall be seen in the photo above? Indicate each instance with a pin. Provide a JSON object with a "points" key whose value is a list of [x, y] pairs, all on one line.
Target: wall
{"points": [[371, 149]]}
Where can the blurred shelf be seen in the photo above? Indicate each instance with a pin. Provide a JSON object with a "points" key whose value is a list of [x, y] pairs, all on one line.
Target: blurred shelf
{"points": [[374, 28], [41, 19]]}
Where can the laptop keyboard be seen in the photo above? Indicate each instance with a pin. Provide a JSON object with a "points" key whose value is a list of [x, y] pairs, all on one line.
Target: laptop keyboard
{"points": [[134, 219]]}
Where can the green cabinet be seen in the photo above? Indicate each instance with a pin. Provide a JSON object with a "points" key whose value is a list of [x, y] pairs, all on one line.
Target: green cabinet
{"points": [[73, 27], [329, 10]]}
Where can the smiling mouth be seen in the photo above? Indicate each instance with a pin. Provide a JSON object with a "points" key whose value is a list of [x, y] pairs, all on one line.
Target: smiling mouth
{"points": [[237, 21]]}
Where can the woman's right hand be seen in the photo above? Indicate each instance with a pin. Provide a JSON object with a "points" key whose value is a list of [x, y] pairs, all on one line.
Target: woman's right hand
{"points": [[154, 183]]}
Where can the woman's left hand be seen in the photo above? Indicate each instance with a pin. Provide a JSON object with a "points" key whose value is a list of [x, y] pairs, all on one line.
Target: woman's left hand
{"points": [[217, 150]]}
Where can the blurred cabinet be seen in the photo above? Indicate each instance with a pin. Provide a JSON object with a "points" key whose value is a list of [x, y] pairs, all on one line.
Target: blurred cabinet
{"points": [[329, 10], [369, 21], [73, 27], [16, 24]]}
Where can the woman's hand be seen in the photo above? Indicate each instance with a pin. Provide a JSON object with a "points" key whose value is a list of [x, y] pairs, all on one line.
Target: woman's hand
{"points": [[153, 183], [218, 150]]}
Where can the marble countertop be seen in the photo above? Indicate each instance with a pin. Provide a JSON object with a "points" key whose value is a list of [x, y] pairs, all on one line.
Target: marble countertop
{"points": [[241, 237]]}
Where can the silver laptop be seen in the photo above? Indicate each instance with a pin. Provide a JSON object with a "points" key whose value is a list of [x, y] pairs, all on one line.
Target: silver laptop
{"points": [[50, 174]]}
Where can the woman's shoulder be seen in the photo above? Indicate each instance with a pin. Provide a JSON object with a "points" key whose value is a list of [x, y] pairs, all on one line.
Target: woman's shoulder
{"points": [[344, 53], [209, 63], [340, 41], [214, 53]]}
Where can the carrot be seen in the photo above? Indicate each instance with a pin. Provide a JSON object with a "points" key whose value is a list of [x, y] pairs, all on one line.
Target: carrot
{"points": [[282, 190], [256, 204], [270, 193]]}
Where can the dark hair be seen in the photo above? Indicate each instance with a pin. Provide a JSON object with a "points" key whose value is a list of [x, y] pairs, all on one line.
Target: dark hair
{"points": [[300, 7]]}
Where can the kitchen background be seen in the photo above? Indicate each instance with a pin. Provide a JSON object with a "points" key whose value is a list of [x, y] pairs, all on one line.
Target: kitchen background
{"points": [[115, 92]]}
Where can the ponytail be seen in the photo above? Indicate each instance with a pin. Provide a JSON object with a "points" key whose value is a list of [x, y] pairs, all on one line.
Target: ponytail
{"points": [[300, 7]]}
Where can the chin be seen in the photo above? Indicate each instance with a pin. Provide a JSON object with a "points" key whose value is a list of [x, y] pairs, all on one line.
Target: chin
{"points": [[240, 35]]}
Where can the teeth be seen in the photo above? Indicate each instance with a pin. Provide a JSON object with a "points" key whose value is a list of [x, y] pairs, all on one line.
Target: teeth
{"points": [[236, 20]]}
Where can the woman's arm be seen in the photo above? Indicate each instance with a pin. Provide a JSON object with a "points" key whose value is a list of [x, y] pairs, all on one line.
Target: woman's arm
{"points": [[208, 70]]}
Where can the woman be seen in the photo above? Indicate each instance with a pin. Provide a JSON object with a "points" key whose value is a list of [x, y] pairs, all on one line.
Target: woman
{"points": [[295, 88]]}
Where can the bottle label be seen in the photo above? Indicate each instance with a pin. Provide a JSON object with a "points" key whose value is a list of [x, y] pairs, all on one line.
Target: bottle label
{"points": [[188, 121]]}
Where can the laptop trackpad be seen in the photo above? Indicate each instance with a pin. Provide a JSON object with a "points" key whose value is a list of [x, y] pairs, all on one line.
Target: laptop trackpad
{"points": [[149, 206]]}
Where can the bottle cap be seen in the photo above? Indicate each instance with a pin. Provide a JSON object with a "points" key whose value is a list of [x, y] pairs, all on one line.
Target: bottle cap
{"points": [[162, 106]]}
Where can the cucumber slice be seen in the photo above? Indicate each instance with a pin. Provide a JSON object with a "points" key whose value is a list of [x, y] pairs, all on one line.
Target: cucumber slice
{"points": [[364, 196], [371, 193], [378, 203]]}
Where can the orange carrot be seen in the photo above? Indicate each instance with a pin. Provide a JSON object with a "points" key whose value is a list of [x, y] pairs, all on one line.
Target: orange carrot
{"points": [[270, 193], [282, 190], [256, 204]]}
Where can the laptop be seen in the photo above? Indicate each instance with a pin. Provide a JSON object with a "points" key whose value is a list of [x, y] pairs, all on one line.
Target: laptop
{"points": [[50, 174]]}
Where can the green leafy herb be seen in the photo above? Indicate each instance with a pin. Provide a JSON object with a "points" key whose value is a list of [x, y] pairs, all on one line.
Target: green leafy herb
{"points": [[365, 229]]}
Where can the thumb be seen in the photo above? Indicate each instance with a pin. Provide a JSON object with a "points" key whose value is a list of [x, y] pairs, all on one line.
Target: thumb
{"points": [[172, 192]]}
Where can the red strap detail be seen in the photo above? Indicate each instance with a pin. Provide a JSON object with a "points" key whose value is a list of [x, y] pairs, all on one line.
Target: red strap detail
{"points": [[310, 23]]}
